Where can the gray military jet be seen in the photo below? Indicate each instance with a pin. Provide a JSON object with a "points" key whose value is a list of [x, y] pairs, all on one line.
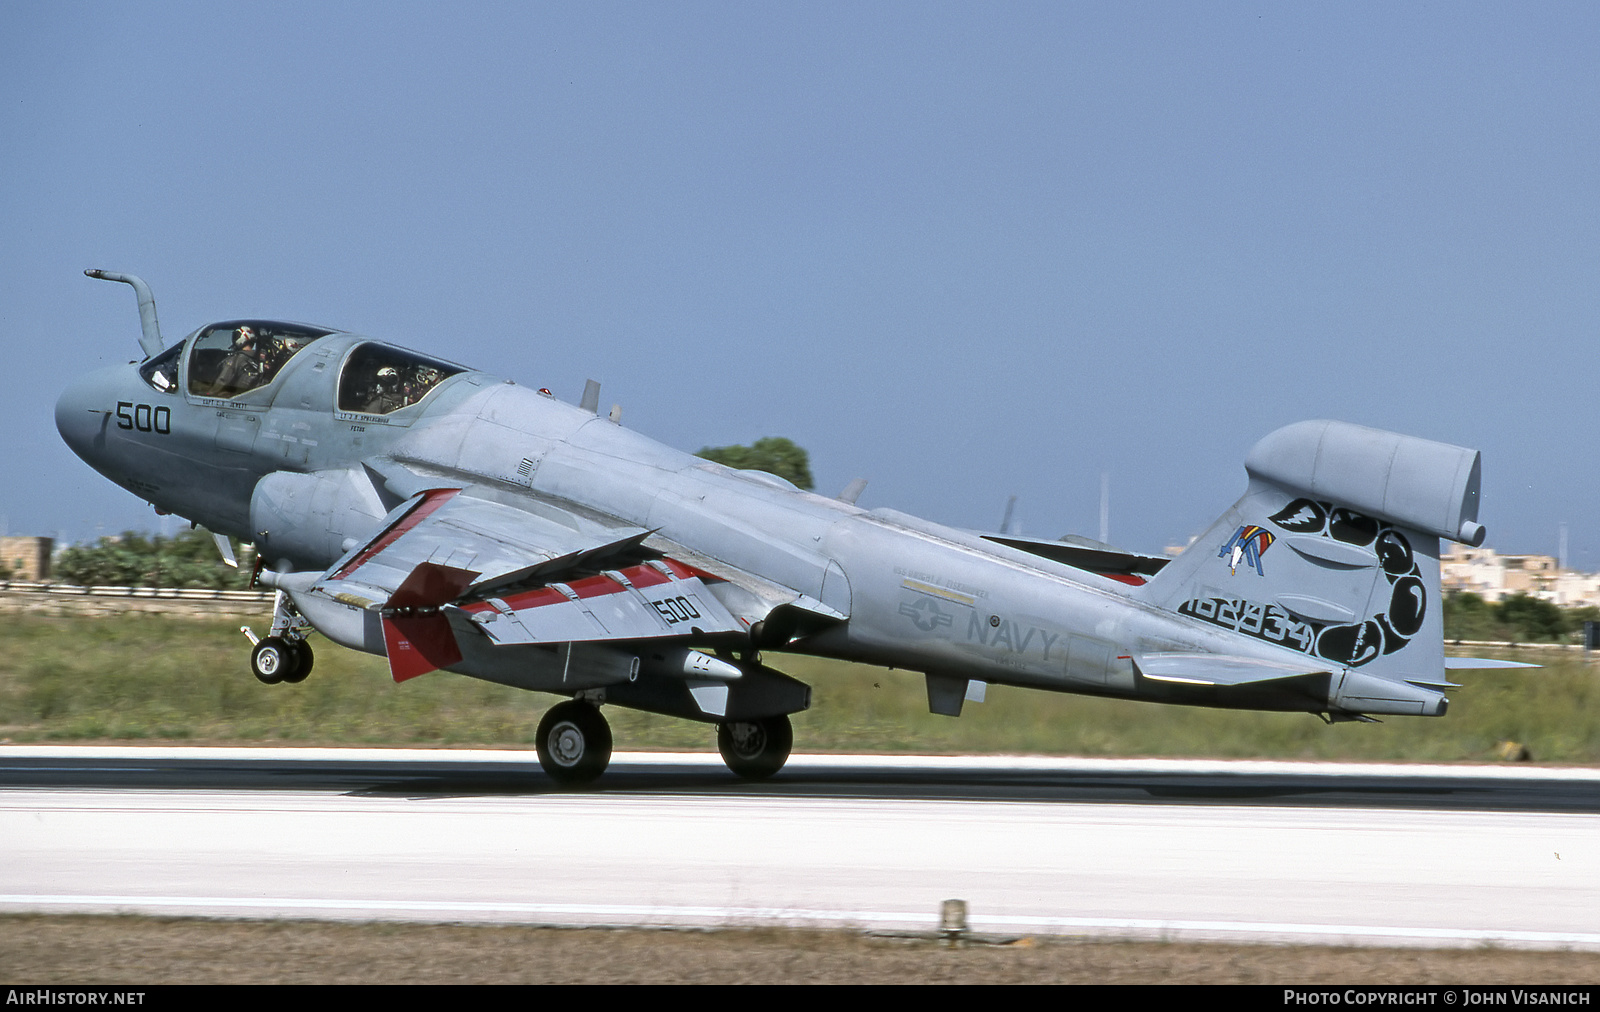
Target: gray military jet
{"points": [[448, 519]]}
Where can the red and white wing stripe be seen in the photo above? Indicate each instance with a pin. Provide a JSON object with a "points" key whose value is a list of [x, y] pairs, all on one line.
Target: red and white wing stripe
{"points": [[658, 598]]}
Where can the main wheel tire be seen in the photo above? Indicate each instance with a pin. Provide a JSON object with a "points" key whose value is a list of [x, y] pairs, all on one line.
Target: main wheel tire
{"points": [[755, 749], [574, 742], [303, 661], [273, 660]]}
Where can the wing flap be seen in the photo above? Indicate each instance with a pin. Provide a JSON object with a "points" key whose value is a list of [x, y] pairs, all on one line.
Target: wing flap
{"points": [[456, 529], [555, 566], [531, 573], [655, 599]]}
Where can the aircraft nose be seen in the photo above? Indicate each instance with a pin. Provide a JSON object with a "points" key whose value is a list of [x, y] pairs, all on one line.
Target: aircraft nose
{"points": [[83, 412]]}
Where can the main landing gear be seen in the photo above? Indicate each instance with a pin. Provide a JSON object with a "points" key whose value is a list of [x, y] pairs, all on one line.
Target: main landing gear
{"points": [[574, 743], [755, 749], [283, 655]]}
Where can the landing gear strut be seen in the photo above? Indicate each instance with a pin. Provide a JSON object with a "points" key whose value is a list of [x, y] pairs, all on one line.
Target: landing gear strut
{"points": [[283, 655], [574, 742], [755, 749]]}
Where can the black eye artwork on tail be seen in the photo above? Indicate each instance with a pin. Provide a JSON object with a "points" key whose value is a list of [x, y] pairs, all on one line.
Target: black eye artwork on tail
{"points": [[1389, 630], [1352, 643], [1302, 517]]}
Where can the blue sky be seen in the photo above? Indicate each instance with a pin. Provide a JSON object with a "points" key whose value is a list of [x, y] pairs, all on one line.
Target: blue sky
{"points": [[963, 250]]}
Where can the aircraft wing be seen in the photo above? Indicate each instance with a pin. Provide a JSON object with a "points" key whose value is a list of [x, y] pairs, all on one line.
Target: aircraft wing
{"points": [[484, 541], [530, 573]]}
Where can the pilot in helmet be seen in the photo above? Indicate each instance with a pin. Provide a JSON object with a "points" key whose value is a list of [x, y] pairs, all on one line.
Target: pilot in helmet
{"points": [[386, 395], [239, 369]]}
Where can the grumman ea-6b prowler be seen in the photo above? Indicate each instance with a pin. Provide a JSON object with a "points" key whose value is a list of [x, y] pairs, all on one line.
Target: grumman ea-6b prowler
{"points": [[449, 519]]}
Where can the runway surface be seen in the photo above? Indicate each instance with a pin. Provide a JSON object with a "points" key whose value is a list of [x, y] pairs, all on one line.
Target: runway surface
{"points": [[1166, 849]]}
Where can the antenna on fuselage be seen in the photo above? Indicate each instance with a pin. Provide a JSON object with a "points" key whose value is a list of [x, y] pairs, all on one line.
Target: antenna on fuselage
{"points": [[591, 397], [151, 340]]}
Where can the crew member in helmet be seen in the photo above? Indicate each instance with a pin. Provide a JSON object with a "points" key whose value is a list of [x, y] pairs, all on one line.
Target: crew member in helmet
{"points": [[386, 392], [241, 369]]}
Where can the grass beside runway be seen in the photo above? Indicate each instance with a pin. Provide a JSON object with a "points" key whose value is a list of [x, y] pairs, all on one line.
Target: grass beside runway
{"points": [[143, 950], [133, 678]]}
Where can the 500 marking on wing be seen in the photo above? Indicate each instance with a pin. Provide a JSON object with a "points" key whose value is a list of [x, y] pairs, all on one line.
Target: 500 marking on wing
{"points": [[676, 609]]}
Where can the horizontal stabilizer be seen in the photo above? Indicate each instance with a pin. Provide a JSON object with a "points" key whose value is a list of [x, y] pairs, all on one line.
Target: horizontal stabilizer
{"points": [[1434, 684], [1216, 669], [1461, 663]]}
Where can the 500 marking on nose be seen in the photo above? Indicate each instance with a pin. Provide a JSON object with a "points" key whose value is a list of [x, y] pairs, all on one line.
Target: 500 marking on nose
{"points": [[144, 418]]}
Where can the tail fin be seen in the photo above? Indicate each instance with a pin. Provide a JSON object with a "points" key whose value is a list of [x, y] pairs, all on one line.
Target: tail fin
{"points": [[1334, 550]]}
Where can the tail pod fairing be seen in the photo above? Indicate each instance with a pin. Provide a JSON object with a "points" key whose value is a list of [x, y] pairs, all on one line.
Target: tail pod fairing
{"points": [[1333, 552]]}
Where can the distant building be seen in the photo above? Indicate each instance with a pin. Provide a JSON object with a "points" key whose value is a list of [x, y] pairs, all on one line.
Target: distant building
{"points": [[27, 558], [1493, 576], [1478, 571]]}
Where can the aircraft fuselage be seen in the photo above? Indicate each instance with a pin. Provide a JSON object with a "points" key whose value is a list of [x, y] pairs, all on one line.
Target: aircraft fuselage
{"points": [[449, 519], [908, 593]]}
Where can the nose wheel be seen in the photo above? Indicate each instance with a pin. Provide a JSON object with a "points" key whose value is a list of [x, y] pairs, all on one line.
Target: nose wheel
{"points": [[574, 742], [276, 659], [283, 655], [755, 749]]}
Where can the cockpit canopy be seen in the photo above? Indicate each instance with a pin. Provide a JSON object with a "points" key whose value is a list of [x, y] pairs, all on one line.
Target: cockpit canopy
{"points": [[229, 359], [378, 379], [161, 372]]}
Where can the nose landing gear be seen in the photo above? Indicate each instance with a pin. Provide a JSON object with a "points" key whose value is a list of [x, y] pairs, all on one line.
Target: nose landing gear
{"points": [[276, 659], [283, 655]]}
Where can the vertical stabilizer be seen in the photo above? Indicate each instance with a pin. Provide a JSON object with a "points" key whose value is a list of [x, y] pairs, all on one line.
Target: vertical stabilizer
{"points": [[1333, 551]]}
